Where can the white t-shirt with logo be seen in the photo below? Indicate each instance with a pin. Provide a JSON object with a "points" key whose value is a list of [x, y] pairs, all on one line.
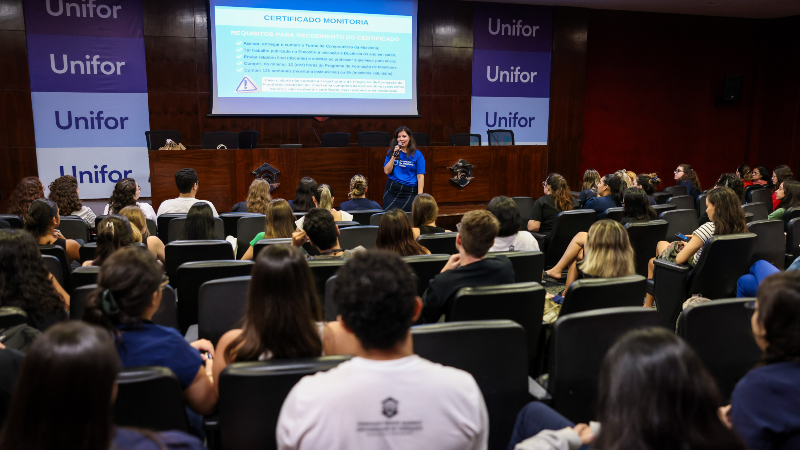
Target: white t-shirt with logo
{"points": [[406, 403], [181, 205], [523, 241]]}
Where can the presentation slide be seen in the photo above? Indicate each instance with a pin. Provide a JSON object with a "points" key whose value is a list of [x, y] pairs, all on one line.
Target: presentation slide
{"points": [[350, 57]]}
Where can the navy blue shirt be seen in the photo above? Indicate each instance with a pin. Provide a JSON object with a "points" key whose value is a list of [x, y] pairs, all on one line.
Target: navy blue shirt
{"points": [[406, 170], [585, 195], [601, 204], [764, 407], [128, 439], [690, 190], [153, 345], [359, 204]]}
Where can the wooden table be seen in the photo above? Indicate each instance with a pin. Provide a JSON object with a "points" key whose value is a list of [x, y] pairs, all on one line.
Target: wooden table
{"points": [[225, 175]]}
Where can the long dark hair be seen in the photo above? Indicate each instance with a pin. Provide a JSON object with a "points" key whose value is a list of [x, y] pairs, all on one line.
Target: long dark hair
{"points": [[791, 194], [783, 173], [779, 313], [199, 223], [654, 393], [411, 147], [63, 397], [744, 172], [394, 234], [28, 190], [303, 196], [762, 172], [64, 191], [123, 195], [637, 206], [125, 287], [24, 279], [282, 309], [39, 216], [729, 216], [559, 190], [113, 233], [616, 185], [690, 175]]}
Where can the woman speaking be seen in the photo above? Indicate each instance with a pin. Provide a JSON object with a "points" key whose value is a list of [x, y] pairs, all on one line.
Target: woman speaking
{"points": [[405, 166]]}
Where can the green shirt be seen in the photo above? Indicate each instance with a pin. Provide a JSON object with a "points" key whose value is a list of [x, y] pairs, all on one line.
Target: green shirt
{"points": [[777, 214], [258, 237]]}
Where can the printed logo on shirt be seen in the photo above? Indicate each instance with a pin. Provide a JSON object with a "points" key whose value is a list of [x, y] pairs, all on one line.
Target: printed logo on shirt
{"points": [[379, 428], [404, 163], [390, 407]]}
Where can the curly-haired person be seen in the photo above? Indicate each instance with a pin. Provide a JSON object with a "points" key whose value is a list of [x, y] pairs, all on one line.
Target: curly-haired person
{"points": [[28, 190], [65, 192]]}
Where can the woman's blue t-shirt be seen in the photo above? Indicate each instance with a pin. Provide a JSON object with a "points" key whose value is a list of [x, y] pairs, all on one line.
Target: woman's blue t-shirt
{"points": [[359, 204], [406, 170]]}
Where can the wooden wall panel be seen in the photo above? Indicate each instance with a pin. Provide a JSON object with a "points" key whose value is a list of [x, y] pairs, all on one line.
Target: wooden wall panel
{"points": [[445, 191], [16, 119], [15, 164], [171, 64], [11, 16]]}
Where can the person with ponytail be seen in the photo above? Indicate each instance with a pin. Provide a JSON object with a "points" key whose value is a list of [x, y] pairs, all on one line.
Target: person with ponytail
{"points": [[609, 195], [323, 199], [557, 198], [137, 220], [589, 189], [358, 196], [128, 294], [647, 182], [42, 222], [686, 176], [113, 233], [743, 172]]}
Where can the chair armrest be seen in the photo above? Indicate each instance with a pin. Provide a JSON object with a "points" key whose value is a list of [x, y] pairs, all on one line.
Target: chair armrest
{"points": [[670, 281], [211, 427], [538, 392], [675, 267]]}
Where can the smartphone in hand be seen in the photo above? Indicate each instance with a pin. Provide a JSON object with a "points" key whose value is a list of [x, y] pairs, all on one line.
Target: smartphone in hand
{"points": [[681, 237]]}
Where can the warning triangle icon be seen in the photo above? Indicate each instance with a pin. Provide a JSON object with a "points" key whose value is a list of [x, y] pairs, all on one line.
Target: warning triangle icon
{"points": [[247, 85]]}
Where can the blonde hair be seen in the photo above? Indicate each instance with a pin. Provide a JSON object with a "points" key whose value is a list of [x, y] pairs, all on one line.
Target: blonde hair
{"points": [[279, 220], [137, 235], [424, 210], [623, 174], [631, 175], [591, 178], [478, 230], [608, 252], [358, 186], [258, 196], [135, 216], [324, 196]]}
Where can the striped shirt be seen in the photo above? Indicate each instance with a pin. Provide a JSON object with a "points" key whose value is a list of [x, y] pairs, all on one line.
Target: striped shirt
{"points": [[704, 233]]}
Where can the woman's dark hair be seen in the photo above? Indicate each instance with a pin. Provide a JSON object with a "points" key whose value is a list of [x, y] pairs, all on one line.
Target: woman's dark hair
{"points": [[282, 309], [39, 216], [731, 180], [690, 175], [199, 223], [560, 192], [24, 279], [616, 185], [125, 286], [507, 214], [647, 181], [791, 194], [783, 173], [64, 191], [411, 147], [123, 195], [63, 397], [636, 205], [28, 190], [654, 393], [779, 313], [394, 234], [729, 216], [424, 210], [303, 197], [113, 233], [744, 172], [762, 172]]}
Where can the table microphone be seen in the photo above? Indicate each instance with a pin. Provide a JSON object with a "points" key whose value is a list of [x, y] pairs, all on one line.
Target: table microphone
{"points": [[315, 134]]}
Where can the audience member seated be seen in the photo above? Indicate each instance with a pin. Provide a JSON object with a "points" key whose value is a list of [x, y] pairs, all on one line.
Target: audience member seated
{"points": [[725, 215], [321, 231], [591, 178], [759, 176], [42, 222], [686, 176], [509, 237], [25, 282], [609, 195], [358, 196], [64, 394], [186, 180], [627, 179], [113, 233], [647, 182], [604, 252], [731, 180], [779, 175], [323, 199], [636, 205], [744, 174], [304, 196], [284, 315], [258, 197], [126, 193], [137, 220], [424, 212], [128, 293], [28, 190], [788, 196], [64, 191], [654, 393], [377, 302], [279, 224], [395, 235], [747, 284], [763, 409], [557, 198], [199, 225], [468, 267]]}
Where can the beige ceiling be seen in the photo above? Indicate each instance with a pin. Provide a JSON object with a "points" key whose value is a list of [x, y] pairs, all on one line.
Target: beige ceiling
{"points": [[757, 9]]}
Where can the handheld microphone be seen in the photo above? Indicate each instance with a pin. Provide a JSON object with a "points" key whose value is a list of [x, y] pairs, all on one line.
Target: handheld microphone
{"points": [[315, 134]]}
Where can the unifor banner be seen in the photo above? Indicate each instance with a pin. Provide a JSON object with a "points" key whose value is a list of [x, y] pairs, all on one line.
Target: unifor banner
{"points": [[89, 92], [511, 70]]}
